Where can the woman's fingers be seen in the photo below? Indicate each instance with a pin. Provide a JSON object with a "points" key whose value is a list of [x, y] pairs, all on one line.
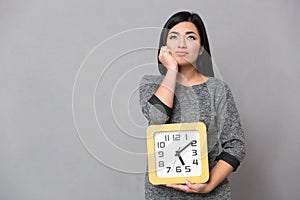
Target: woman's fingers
{"points": [[164, 51], [184, 188], [166, 58], [190, 187]]}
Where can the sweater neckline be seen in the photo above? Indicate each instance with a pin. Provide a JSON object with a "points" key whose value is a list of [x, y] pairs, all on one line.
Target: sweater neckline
{"points": [[195, 85]]}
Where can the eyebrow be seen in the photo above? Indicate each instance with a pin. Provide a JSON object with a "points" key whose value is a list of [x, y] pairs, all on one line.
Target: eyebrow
{"points": [[188, 32]]}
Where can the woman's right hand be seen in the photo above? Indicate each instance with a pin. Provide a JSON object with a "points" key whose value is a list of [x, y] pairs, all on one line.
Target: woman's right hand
{"points": [[166, 58]]}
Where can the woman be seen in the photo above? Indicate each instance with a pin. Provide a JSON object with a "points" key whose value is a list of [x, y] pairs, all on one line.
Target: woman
{"points": [[186, 91]]}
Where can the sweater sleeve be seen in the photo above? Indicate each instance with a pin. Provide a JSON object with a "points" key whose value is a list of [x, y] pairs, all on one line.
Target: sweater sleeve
{"points": [[155, 111], [231, 132]]}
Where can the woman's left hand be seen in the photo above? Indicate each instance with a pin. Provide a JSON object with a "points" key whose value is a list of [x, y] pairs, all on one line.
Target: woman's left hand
{"points": [[220, 171], [192, 187]]}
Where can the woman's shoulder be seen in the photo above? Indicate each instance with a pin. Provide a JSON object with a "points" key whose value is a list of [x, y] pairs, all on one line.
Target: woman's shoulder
{"points": [[148, 79], [217, 85]]}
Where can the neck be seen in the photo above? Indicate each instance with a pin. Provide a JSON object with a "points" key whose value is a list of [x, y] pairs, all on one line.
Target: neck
{"points": [[188, 75]]}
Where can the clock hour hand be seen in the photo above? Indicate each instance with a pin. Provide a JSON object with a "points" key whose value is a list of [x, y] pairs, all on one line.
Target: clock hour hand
{"points": [[178, 152], [180, 158]]}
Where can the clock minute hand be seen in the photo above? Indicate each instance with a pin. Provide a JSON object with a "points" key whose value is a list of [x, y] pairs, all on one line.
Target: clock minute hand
{"points": [[178, 152]]}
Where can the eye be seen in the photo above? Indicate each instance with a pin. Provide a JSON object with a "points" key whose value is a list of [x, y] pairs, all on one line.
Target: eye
{"points": [[173, 37], [190, 37]]}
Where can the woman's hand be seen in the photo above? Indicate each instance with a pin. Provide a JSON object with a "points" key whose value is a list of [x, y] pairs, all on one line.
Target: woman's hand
{"points": [[220, 171], [166, 58], [201, 188]]}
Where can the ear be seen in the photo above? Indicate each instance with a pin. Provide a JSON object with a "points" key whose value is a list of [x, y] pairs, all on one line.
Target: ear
{"points": [[201, 50]]}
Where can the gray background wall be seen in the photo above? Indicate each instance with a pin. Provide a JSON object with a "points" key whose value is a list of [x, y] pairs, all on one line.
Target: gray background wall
{"points": [[53, 149]]}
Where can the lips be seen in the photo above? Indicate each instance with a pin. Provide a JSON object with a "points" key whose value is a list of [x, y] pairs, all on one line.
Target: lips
{"points": [[181, 53]]}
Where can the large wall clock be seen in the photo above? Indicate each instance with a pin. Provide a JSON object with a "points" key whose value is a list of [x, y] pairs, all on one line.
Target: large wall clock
{"points": [[177, 152]]}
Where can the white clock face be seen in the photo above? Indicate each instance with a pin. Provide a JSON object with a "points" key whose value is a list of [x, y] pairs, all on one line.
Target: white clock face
{"points": [[177, 154]]}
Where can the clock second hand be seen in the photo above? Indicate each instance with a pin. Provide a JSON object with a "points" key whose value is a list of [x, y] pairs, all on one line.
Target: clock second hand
{"points": [[174, 161]]}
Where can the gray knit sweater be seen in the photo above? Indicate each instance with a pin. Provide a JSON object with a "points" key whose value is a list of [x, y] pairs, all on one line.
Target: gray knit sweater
{"points": [[210, 102]]}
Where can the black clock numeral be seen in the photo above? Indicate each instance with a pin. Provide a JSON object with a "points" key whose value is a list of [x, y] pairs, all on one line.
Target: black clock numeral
{"points": [[187, 168], [194, 143], [161, 144], [195, 162], [167, 138], [176, 137], [160, 154], [186, 137], [178, 169], [161, 164], [194, 152], [168, 169]]}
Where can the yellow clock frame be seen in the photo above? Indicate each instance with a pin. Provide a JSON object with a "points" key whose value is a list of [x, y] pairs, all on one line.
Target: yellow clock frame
{"points": [[200, 127]]}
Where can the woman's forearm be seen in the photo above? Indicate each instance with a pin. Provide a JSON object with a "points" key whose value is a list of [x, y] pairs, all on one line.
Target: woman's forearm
{"points": [[221, 171], [165, 92]]}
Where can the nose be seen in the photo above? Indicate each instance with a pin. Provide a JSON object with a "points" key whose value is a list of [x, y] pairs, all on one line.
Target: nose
{"points": [[182, 43]]}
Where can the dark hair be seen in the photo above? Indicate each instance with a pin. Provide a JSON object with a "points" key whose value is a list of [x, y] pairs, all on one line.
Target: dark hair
{"points": [[204, 62]]}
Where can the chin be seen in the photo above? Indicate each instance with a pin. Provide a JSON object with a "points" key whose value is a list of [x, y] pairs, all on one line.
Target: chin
{"points": [[183, 62]]}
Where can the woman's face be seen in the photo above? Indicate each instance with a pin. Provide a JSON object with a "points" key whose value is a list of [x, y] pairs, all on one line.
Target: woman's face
{"points": [[184, 42]]}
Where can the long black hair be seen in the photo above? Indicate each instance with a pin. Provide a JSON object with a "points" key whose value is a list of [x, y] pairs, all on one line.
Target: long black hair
{"points": [[203, 62]]}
